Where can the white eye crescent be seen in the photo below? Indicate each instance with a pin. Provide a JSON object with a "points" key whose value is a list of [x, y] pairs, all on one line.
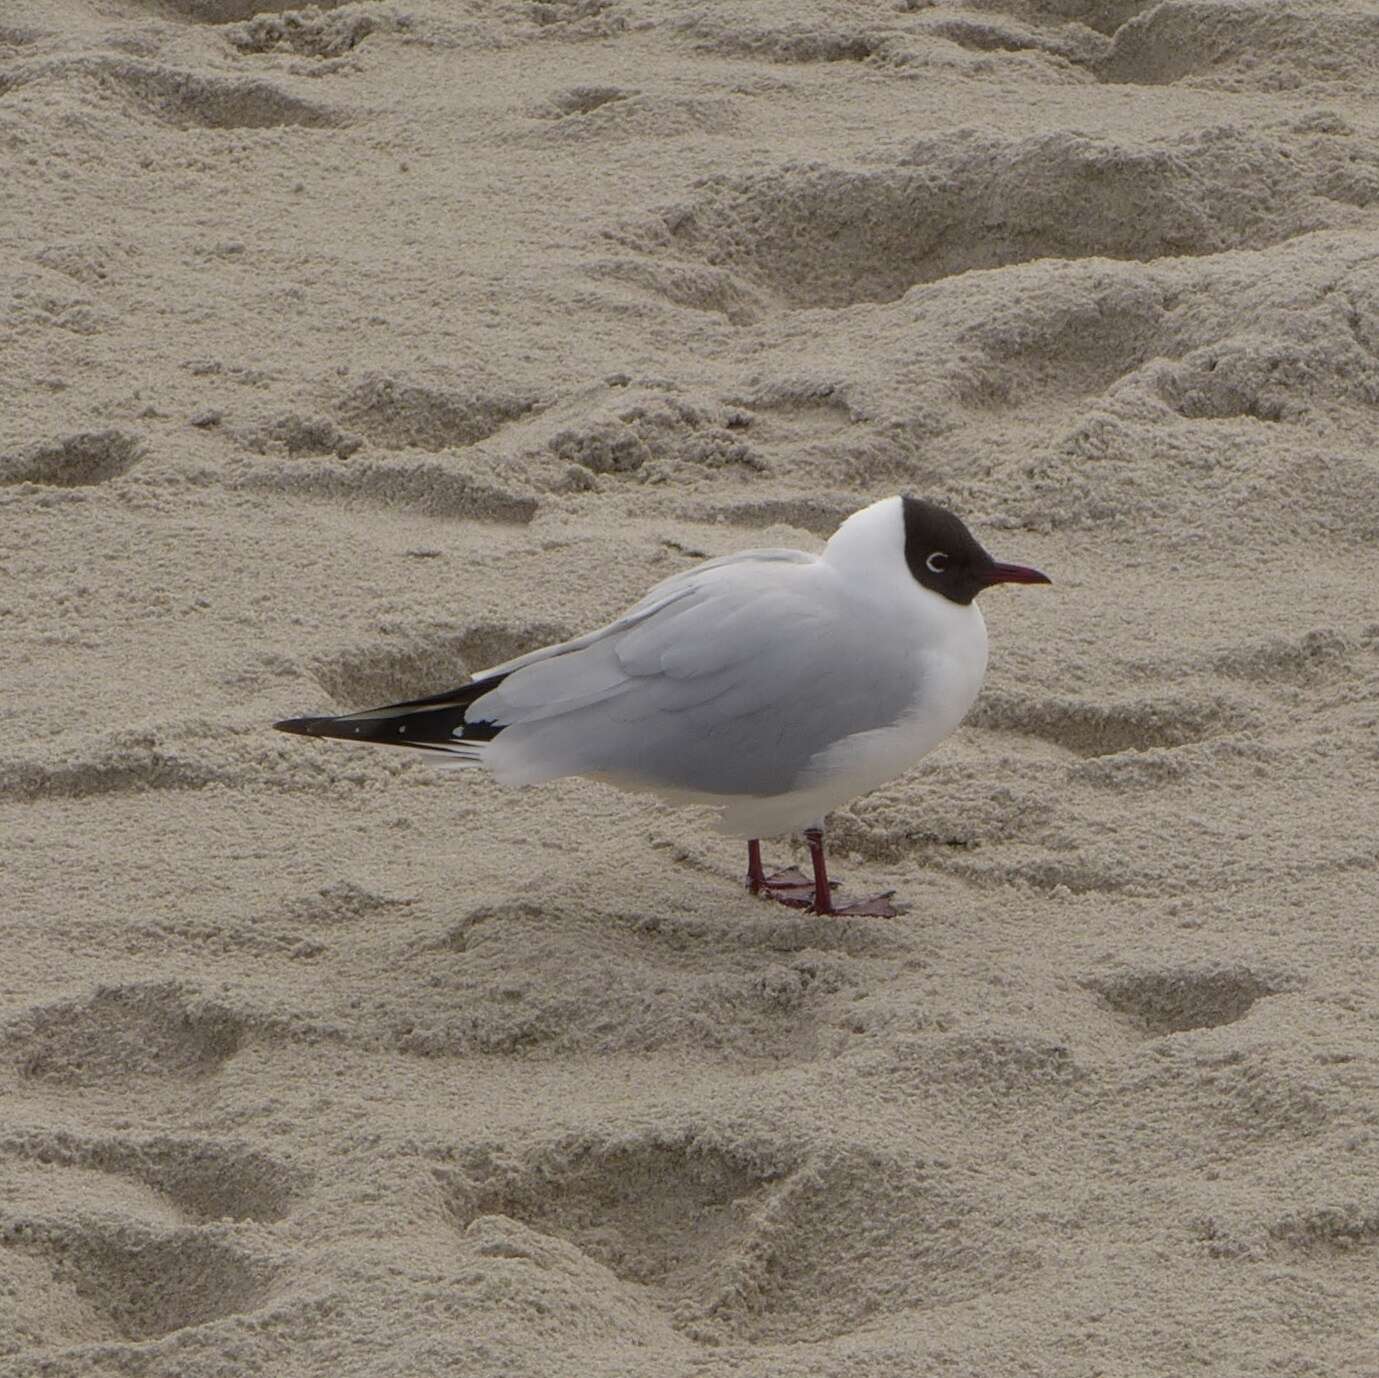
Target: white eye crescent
{"points": [[936, 563]]}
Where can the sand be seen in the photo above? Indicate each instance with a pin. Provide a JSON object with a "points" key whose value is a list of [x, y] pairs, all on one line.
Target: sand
{"points": [[346, 351]]}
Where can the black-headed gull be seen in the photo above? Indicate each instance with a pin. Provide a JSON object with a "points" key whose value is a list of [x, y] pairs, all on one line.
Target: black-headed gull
{"points": [[771, 685]]}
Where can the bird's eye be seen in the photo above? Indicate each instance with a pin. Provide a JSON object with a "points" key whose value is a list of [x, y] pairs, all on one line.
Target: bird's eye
{"points": [[937, 562]]}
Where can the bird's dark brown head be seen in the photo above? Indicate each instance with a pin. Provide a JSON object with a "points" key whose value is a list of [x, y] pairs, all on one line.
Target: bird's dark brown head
{"points": [[947, 558]]}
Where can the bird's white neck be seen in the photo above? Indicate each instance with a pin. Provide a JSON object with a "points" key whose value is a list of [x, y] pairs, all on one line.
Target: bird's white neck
{"points": [[871, 543], [948, 639]]}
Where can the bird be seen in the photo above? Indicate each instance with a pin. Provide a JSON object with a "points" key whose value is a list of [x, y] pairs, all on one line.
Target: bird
{"points": [[771, 685]]}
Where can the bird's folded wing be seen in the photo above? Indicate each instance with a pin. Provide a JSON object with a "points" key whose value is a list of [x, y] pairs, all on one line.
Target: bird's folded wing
{"points": [[686, 630], [727, 680]]}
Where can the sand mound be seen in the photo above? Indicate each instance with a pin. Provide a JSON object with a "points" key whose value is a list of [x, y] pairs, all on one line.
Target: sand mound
{"points": [[818, 236], [1228, 45]]}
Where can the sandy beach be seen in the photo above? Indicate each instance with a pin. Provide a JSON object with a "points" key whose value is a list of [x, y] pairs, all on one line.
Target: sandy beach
{"points": [[347, 351]]}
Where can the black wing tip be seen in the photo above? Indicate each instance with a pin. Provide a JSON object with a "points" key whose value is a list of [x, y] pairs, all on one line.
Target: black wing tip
{"points": [[433, 723], [306, 727]]}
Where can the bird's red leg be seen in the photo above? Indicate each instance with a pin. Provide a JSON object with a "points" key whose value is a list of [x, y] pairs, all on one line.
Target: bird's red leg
{"points": [[823, 894], [788, 886], [756, 877], [875, 906]]}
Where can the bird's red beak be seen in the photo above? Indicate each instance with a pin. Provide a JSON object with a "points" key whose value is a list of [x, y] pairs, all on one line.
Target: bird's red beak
{"points": [[1016, 574]]}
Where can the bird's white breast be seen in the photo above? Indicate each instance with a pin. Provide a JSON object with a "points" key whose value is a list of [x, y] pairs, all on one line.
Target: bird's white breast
{"points": [[945, 649], [938, 645]]}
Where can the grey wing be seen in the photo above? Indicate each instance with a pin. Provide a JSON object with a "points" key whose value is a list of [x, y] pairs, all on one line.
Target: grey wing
{"points": [[726, 679], [677, 587]]}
